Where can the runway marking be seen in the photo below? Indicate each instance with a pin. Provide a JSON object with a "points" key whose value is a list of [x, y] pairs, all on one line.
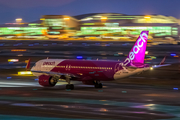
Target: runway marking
{"points": [[13, 84], [18, 117], [172, 110], [159, 95]]}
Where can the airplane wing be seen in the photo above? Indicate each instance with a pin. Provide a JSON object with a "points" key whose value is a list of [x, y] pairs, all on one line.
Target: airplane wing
{"points": [[157, 66], [54, 73], [161, 63]]}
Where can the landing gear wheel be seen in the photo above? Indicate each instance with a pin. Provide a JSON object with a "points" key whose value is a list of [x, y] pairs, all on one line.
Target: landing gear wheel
{"points": [[98, 85], [70, 86]]}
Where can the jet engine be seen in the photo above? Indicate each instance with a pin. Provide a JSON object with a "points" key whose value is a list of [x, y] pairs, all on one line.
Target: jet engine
{"points": [[47, 81]]}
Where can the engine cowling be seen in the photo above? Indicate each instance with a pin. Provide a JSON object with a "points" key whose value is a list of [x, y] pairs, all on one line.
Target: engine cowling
{"points": [[47, 81]]}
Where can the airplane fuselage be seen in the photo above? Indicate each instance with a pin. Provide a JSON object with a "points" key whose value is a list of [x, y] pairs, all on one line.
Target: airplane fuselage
{"points": [[85, 70], [92, 72]]}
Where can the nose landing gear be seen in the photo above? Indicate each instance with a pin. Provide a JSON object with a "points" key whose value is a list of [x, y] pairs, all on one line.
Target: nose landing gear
{"points": [[97, 84], [69, 86]]}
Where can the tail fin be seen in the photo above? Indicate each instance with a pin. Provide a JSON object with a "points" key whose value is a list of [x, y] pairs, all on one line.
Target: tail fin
{"points": [[137, 53], [28, 64], [163, 60]]}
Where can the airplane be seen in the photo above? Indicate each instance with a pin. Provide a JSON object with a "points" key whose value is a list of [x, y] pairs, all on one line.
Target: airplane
{"points": [[91, 72]]}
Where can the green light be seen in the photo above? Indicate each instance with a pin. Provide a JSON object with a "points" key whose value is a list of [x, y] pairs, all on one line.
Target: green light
{"points": [[56, 27], [88, 23]]}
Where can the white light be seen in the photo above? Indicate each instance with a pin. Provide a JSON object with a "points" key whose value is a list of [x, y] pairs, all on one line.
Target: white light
{"points": [[13, 60], [25, 73]]}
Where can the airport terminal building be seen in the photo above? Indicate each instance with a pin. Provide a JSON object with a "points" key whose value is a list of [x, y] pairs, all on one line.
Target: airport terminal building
{"points": [[95, 24]]}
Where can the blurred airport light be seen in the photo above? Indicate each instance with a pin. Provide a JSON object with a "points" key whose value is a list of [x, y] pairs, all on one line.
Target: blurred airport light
{"points": [[79, 57], [147, 17], [97, 16], [66, 18], [173, 54], [13, 60], [151, 68], [175, 89], [146, 52], [103, 19], [25, 73], [9, 77], [26, 61], [42, 19], [15, 50], [89, 18], [18, 20]]}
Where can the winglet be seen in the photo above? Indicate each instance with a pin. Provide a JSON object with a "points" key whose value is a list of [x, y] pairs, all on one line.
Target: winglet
{"points": [[163, 60], [28, 64]]}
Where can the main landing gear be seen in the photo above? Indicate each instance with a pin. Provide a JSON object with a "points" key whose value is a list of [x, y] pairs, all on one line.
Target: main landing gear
{"points": [[98, 85], [69, 86]]}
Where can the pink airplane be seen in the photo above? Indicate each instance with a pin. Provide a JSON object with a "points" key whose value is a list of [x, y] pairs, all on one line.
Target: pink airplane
{"points": [[91, 72]]}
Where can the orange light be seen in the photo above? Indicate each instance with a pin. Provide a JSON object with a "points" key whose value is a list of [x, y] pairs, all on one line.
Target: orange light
{"points": [[176, 56], [15, 50], [103, 18], [18, 20], [66, 18], [42, 19], [147, 17]]}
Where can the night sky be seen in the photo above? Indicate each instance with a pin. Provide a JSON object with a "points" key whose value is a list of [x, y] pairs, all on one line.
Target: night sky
{"points": [[31, 10]]}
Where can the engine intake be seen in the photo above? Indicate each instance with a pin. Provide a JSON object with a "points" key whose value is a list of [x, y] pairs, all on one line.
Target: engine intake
{"points": [[47, 81]]}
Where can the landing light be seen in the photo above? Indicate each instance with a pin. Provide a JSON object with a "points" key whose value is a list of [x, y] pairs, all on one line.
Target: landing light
{"points": [[151, 68], [146, 52]]}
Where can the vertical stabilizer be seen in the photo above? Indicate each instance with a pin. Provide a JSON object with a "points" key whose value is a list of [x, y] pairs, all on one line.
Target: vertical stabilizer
{"points": [[163, 60], [137, 53], [28, 64]]}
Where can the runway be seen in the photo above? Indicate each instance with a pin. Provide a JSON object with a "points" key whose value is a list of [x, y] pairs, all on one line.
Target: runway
{"points": [[113, 102], [153, 95]]}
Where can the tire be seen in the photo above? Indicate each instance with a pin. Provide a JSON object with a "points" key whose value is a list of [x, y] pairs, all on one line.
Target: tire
{"points": [[70, 86], [96, 85], [100, 85]]}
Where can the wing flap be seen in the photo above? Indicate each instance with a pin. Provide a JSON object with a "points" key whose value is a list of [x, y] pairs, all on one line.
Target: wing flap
{"points": [[54, 73]]}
